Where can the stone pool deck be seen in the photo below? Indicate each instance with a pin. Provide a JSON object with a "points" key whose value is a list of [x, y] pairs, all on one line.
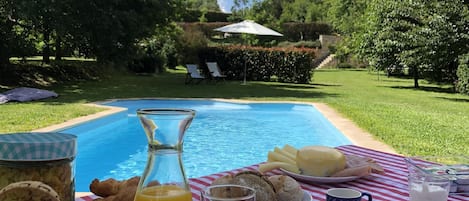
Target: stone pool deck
{"points": [[354, 133]]}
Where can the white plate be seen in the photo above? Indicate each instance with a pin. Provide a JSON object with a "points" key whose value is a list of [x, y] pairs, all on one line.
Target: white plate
{"points": [[312, 179], [306, 196]]}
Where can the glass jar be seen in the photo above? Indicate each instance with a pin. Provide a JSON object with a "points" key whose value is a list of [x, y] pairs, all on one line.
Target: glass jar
{"points": [[37, 164], [164, 178]]}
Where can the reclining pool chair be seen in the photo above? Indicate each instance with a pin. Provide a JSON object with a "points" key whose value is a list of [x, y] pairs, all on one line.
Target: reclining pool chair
{"points": [[215, 71], [193, 74]]}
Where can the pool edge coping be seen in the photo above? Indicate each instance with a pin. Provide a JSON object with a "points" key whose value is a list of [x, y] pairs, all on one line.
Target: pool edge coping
{"points": [[110, 110]]}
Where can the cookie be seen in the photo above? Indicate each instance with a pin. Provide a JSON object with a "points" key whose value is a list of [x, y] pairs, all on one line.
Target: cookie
{"points": [[28, 190]]}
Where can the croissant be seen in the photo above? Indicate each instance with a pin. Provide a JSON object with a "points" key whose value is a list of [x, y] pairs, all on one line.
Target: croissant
{"points": [[113, 190]]}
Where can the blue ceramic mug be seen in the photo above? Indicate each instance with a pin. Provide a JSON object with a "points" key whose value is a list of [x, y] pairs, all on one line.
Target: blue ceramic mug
{"points": [[345, 194]]}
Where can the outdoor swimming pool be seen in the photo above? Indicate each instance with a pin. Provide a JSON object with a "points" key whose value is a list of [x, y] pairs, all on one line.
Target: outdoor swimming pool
{"points": [[222, 136]]}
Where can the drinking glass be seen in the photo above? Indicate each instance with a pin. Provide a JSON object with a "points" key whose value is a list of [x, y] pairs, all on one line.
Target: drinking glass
{"points": [[428, 187], [228, 192]]}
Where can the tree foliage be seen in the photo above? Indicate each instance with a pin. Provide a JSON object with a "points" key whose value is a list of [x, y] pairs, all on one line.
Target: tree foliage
{"points": [[345, 15], [208, 5], [276, 12], [425, 36], [463, 74], [111, 29], [15, 40], [108, 30], [302, 11]]}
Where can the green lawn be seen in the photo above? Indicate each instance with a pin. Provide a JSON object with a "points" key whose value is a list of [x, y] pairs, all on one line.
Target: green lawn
{"points": [[427, 121]]}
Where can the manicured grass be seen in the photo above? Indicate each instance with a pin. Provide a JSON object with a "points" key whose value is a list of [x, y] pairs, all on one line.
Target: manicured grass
{"points": [[24, 117], [427, 121]]}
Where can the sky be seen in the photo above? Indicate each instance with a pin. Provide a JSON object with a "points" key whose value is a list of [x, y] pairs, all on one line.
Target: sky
{"points": [[225, 5]]}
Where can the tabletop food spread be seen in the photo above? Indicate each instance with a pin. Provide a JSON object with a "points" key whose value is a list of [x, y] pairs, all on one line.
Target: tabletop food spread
{"points": [[385, 177]]}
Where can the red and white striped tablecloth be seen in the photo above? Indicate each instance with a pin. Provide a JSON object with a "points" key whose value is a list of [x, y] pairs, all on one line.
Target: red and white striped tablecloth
{"points": [[391, 186]]}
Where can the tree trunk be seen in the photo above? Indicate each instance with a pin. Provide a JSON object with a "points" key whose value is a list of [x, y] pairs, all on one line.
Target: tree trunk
{"points": [[4, 54], [4, 60], [46, 49], [58, 48], [416, 77]]}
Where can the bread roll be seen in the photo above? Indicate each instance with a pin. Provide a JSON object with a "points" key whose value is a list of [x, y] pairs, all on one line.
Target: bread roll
{"points": [[265, 191], [287, 188]]}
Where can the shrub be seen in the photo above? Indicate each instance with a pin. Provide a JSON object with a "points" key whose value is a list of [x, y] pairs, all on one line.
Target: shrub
{"points": [[295, 31], [293, 65], [205, 27], [146, 64], [463, 74], [344, 65], [192, 40], [160, 50], [332, 49], [301, 44]]}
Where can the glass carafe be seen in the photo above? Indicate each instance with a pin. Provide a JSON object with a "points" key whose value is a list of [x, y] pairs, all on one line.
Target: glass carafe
{"points": [[164, 178]]}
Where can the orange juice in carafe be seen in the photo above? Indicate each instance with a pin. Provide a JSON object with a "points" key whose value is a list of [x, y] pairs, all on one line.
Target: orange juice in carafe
{"points": [[164, 129], [163, 193]]}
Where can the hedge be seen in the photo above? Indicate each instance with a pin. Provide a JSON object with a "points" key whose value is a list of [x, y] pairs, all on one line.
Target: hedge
{"points": [[293, 31], [292, 65], [463, 74], [205, 27]]}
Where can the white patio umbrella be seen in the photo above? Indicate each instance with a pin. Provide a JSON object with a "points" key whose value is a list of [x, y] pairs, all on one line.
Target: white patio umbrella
{"points": [[248, 27]]}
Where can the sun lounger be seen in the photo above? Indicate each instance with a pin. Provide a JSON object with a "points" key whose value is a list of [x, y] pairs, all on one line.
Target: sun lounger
{"points": [[193, 74], [215, 71]]}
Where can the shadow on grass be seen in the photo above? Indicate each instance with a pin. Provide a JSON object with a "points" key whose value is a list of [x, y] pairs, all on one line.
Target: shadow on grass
{"points": [[341, 69], [394, 80], [171, 85], [326, 85], [455, 99], [449, 90], [304, 86]]}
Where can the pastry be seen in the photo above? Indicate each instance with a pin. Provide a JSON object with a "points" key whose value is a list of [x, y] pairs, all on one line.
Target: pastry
{"points": [[28, 190], [265, 190], [287, 188], [113, 190], [359, 166]]}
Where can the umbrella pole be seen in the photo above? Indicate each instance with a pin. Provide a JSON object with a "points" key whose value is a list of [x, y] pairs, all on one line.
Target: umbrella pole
{"points": [[245, 68], [244, 82]]}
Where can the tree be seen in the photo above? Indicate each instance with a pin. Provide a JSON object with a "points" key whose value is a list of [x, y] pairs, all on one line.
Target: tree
{"points": [[448, 38], [37, 18], [273, 13], [6, 33], [15, 38], [209, 5], [302, 11], [345, 15], [110, 30], [107, 29], [263, 12], [426, 36]]}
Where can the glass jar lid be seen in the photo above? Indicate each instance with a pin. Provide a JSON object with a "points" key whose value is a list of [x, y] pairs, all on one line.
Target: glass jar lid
{"points": [[37, 146]]}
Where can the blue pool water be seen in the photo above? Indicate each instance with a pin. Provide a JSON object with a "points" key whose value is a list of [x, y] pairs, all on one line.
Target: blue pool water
{"points": [[222, 136]]}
